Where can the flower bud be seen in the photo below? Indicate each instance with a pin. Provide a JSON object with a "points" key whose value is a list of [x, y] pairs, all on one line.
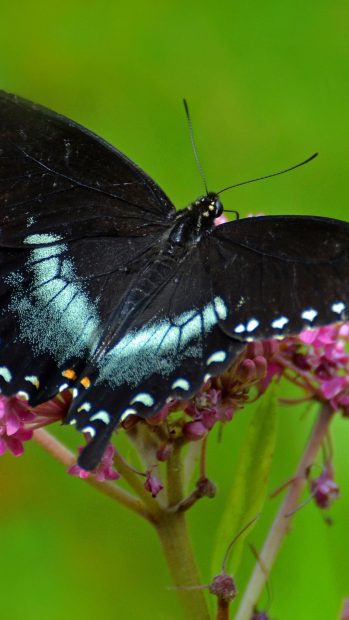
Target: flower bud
{"points": [[194, 430], [223, 586], [324, 488], [164, 452], [153, 484]]}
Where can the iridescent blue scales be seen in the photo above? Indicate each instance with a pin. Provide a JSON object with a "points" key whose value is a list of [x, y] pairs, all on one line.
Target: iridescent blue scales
{"points": [[106, 289]]}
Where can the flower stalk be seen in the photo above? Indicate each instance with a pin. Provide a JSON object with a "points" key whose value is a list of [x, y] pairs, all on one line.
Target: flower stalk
{"points": [[67, 458], [282, 521]]}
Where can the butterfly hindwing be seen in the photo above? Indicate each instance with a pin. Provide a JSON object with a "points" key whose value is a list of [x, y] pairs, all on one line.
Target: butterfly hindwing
{"points": [[280, 275]]}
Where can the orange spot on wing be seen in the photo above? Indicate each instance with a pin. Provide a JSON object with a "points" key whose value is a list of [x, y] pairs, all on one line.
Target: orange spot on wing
{"points": [[85, 381], [69, 374]]}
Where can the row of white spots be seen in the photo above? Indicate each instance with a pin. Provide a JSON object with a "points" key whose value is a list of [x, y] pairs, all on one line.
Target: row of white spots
{"points": [[6, 374], [249, 327], [144, 398], [103, 416], [308, 315]]}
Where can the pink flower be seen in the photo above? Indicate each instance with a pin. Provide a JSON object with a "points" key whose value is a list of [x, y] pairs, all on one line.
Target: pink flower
{"points": [[153, 484], [194, 430], [324, 489], [14, 415], [103, 472], [220, 220], [164, 452]]}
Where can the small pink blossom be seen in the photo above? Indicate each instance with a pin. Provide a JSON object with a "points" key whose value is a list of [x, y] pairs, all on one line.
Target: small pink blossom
{"points": [[194, 430], [164, 452], [14, 415], [220, 220], [324, 489], [104, 471], [153, 484]]}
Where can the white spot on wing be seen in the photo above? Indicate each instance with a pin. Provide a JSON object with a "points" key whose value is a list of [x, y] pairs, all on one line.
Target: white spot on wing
{"points": [[143, 398], [89, 429], [252, 325], [309, 315], [33, 379], [338, 307], [63, 387], [239, 329], [207, 378], [101, 415], [280, 322], [220, 308], [218, 356], [181, 383], [72, 421], [85, 407], [22, 395], [126, 413], [5, 373]]}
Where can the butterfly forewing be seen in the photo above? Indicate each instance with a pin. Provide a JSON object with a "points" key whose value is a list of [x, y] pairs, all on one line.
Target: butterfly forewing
{"points": [[57, 177]]}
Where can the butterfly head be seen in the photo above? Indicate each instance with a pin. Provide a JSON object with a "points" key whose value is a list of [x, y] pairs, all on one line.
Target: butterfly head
{"points": [[209, 207]]}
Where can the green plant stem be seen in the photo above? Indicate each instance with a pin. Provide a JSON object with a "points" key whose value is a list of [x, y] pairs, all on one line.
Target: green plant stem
{"points": [[174, 537], [65, 456], [282, 521]]}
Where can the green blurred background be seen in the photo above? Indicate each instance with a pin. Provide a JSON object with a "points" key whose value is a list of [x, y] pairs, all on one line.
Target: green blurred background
{"points": [[267, 83]]}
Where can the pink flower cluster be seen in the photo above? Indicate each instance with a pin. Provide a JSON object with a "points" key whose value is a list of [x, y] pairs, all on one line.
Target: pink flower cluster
{"points": [[15, 416], [320, 361]]}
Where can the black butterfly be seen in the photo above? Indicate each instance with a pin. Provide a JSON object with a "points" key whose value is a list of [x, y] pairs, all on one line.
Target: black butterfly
{"points": [[109, 290]]}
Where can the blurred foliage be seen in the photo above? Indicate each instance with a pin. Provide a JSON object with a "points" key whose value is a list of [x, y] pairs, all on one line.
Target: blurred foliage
{"points": [[267, 84]]}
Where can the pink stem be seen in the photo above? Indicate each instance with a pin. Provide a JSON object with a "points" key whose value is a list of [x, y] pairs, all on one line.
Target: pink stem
{"points": [[282, 521], [67, 458]]}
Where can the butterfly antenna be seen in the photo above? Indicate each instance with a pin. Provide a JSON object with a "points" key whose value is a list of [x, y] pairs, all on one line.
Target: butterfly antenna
{"points": [[192, 140], [268, 176]]}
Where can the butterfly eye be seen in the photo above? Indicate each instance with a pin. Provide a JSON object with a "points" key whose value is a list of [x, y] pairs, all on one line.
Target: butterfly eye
{"points": [[218, 208]]}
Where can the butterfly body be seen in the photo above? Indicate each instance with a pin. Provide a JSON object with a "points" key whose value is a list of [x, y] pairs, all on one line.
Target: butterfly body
{"points": [[107, 289]]}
